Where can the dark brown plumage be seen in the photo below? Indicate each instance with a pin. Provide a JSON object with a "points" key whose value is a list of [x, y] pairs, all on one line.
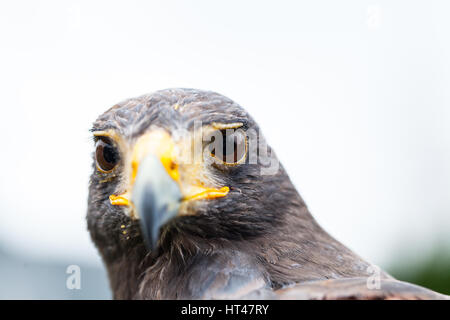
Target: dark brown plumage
{"points": [[256, 241]]}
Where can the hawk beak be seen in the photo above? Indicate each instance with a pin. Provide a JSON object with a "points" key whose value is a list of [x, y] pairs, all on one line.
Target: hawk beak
{"points": [[157, 187], [156, 198]]}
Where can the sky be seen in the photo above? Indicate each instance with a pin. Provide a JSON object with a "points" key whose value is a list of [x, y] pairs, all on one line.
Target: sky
{"points": [[354, 96]]}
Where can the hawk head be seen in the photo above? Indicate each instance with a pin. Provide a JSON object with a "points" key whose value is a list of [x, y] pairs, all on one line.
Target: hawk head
{"points": [[181, 167], [186, 200]]}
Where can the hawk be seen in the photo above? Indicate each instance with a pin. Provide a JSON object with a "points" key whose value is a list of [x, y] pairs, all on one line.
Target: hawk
{"points": [[187, 201]]}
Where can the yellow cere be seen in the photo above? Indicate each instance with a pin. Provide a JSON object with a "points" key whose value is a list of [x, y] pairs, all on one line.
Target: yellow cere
{"points": [[159, 143]]}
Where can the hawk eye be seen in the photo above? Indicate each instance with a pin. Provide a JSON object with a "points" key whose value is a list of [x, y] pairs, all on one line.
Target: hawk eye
{"points": [[106, 156], [233, 146]]}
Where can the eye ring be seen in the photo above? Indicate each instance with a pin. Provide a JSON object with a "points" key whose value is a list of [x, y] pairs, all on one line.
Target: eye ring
{"points": [[235, 138], [106, 155]]}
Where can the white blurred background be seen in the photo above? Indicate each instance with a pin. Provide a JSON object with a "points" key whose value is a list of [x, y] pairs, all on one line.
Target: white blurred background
{"points": [[354, 96]]}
